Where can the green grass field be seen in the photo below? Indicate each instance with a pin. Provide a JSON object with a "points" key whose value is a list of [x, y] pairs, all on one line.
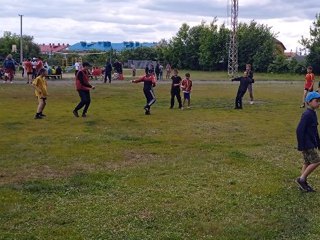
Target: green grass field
{"points": [[211, 172]]}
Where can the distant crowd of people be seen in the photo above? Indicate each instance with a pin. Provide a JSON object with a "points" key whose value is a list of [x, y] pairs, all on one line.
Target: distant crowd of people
{"points": [[30, 68]]}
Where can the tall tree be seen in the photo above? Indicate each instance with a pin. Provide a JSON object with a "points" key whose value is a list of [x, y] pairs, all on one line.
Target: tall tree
{"points": [[213, 49], [313, 44], [256, 45], [30, 49]]}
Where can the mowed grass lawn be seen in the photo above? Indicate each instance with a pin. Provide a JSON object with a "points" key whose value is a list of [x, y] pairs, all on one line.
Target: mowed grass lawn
{"points": [[211, 172]]}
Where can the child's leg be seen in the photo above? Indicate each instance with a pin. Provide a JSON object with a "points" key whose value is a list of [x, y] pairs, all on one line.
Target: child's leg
{"points": [[304, 96], [41, 105], [308, 170]]}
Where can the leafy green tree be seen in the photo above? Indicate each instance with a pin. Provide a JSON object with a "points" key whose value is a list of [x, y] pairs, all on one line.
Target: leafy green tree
{"points": [[279, 65], [256, 45], [178, 47], [313, 44], [213, 48], [30, 49]]}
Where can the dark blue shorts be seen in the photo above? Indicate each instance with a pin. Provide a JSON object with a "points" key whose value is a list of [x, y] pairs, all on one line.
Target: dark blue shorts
{"points": [[186, 95]]}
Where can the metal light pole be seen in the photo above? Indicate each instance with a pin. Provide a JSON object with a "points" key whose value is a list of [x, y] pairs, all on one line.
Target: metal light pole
{"points": [[21, 48]]}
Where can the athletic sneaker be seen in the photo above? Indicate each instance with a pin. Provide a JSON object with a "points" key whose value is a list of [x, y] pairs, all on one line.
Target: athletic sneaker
{"points": [[75, 113], [84, 115], [42, 115], [251, 102], [147, 112], [303, 185], [37, 116], [310, 189]]}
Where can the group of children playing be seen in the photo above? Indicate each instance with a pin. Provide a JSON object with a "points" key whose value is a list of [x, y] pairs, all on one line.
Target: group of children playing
{"points": [[177, 85], [307, 129]]}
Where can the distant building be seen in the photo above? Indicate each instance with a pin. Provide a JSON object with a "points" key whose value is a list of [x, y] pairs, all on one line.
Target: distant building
{"points": [[294, 55], [107, 46], [279, 46], [52, 48]]}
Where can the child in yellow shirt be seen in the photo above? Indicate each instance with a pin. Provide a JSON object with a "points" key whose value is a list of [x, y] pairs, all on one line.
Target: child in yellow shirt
{"points": [[40, 85]]}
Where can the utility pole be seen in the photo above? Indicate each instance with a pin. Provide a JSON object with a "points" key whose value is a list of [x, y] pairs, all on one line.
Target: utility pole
{"points": [[21, 48], [233, 43]]}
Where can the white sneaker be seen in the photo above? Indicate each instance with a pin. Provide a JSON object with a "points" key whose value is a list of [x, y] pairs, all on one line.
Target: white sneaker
{"points": [[251, 102]]}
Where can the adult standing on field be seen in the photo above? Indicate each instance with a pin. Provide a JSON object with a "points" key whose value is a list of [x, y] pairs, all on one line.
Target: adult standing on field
{"points": [[83, 87], [250, 87], [107, 71], [9, 68], [168, 71], [77, 67], [118, 69], [39, 65], [29, 71]]}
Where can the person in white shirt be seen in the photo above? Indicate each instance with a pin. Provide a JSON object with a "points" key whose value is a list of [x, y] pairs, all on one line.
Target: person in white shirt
{"points": [[77, 67]]}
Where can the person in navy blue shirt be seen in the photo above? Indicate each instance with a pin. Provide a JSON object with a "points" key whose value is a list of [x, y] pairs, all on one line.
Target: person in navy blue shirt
{"points": [[244, 83], [308, 140]]}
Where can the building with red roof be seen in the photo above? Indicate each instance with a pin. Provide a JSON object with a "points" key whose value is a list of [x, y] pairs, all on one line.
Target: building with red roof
{"points": [[52, 48]]}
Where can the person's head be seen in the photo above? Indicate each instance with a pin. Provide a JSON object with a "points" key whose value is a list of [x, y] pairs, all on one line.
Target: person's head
{"points": [[187, 75], [312, 99], [245, 74], [86, 65], [248, 66], [175, 72], [42, 72], [309, 69], [149, 73]]}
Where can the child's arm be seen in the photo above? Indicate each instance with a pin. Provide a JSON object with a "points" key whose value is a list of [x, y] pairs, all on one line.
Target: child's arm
{"points": [[138, 80], [236, 79], [37, 89]]}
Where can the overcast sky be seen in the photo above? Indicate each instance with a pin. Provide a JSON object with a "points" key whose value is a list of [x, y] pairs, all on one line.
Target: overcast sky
{"points": [[71, 21]]}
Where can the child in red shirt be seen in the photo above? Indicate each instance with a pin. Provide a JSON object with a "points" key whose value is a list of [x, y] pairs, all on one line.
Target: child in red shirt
{"points": [[186, 86], [308, 85]]}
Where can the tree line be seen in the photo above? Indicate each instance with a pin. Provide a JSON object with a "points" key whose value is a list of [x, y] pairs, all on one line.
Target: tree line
{"points": [[202, 47]]}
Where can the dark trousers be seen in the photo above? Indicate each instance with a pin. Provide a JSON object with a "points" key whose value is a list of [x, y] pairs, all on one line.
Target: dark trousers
{"points": [[175, 92], [238, 103], [150, 97], [85, 101], [107, 75]]}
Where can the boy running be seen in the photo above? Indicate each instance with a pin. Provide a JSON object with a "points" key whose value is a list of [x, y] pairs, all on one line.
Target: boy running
{"points": [[149, 83], [308, 140]]}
